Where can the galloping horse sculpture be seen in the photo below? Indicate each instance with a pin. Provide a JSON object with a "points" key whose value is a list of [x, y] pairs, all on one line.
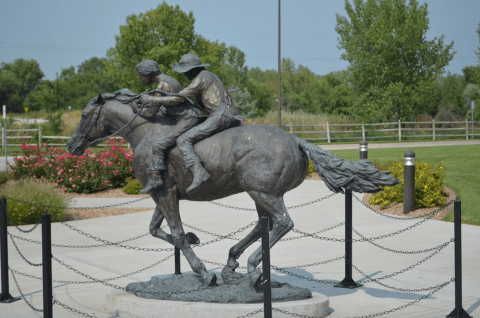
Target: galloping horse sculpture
{"points": [[263, 161]]}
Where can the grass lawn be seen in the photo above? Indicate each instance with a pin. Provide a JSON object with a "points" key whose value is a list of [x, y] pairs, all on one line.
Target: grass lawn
{"points": [[461, 165]]}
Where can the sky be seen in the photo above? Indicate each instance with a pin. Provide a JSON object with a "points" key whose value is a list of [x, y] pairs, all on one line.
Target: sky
{"points": [[62, 33]]}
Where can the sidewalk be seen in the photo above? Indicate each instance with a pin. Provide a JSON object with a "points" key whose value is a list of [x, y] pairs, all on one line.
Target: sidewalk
{"points": [[111, 261]]}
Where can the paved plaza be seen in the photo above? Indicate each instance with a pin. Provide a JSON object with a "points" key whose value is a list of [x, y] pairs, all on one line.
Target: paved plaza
{"points": [[318, 260]]}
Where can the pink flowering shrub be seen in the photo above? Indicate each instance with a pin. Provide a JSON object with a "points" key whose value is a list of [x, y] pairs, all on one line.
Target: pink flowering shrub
{"points": [[88, 173]]}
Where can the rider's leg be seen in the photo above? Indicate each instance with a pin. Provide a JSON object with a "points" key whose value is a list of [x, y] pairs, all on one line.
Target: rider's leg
{"points": [[214, 124], [161, 145]]}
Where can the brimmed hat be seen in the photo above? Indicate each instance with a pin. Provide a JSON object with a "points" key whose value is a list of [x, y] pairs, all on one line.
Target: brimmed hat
{"points": [[187, 62]]}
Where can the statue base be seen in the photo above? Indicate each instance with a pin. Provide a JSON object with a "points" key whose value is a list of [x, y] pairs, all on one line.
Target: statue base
{"points": [[188, 287], [125, 305]]}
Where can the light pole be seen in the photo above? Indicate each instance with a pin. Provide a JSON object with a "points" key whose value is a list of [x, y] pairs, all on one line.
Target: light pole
{"points": [[279, 97], [57, 90]]}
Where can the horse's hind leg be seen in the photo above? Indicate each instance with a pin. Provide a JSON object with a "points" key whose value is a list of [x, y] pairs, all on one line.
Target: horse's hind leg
{"points": [[228, 272], [274, 206]]}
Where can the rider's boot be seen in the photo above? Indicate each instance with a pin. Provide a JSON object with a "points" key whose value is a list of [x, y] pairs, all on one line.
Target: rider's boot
{"points": [[158, 163], [154, 181], [200, 175]]}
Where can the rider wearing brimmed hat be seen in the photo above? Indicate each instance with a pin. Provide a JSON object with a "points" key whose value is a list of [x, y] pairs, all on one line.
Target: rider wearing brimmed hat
{"points": [[212, 96]]}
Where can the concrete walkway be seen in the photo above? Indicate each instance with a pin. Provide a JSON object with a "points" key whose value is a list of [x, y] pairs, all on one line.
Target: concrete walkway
{"points": [[301, 255]]}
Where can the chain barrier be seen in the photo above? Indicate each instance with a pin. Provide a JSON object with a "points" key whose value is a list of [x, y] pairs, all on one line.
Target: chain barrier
{"points": [[305, 234], [405, 252], [377, 280], [71, 227], [56, 302], [253, 313], [21, 293], [224, 236], [95, 280], [404, 218], [20, 229], [77, 208], [20, 253], [288, 208], [317, 263], [310, 279], [438, 287], [80, 246]]}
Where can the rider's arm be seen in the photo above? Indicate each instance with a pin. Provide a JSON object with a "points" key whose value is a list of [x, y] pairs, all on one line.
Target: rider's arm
{"points": [[191, 91], [154, 103]]}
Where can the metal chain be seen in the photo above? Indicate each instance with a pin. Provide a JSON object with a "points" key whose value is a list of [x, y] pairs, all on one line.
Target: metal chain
{"points": [[403, 218], [377, 280], [307, 234], [77, 208], [224, 236], [438, 287], [21, 230], [253, 313], [405, 252], [21, 293], [303, 277], [56, 302], [317, 263], [20, 253], [288, 208], [117, 244], [26, 275]]}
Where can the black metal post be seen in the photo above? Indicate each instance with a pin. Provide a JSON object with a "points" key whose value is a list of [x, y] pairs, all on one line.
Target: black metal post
{"points": [[5, 296], [267, 288], [47, 266], [409, 182], [177, 261], [458, 312], [363, 149], [348, 281]]}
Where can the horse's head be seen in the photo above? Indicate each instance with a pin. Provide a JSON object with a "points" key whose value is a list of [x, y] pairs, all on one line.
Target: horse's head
{"points": [[90, 128]]}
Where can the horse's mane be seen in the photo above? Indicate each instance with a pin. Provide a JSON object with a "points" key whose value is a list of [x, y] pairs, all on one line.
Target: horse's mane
{"points": [[124, 96]]}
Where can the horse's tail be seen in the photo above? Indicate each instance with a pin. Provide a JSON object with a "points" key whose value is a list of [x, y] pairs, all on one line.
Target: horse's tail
{"points": [[359, 176]]}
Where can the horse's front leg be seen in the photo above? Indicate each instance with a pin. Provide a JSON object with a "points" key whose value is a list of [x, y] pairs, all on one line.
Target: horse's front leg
{"points": [[167, 203], [156, 231]]}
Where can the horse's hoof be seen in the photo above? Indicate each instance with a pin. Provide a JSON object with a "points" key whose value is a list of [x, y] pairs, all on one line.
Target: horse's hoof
{"points": [[210, 279], [192, 238], [256, 279], [229, 274]]}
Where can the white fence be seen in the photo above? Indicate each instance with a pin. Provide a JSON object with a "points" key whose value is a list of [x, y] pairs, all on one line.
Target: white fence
{"points": [[323, 132], [395, 130]]}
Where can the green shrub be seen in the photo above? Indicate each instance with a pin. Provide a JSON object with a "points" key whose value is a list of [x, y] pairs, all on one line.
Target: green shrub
{"points": [[5, 176], [311, 169], [133, 186], [37, 193], [428, 185]]}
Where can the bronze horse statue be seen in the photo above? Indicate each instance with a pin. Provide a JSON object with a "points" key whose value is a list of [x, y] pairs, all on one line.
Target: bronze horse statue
{"points": [[263, 161]]}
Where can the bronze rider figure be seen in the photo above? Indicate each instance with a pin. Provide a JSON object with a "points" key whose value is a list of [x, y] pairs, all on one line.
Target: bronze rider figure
{"points": [[187, 116], [210, 93]]}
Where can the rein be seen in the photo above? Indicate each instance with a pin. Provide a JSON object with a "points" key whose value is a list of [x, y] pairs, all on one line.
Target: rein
{"points": [[95, 119]]}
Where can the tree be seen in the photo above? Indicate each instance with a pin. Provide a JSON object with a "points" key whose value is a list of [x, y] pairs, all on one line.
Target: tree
{"points": [[17, 80], [74, 88], [163, 34], [391, 62]]}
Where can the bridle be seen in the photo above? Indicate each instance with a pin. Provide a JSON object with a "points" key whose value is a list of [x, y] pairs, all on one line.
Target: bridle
{"points": [[96, 115]]}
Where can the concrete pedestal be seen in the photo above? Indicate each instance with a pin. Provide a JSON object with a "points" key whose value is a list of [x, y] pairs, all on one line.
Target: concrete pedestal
{"points": [[125, 305]]}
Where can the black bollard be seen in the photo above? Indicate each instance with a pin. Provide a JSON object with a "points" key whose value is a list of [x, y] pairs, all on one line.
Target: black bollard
{"points": [[363, 149], [266, 285], [5, 296], [458, 312], [348, 281], [177, 261], [409, 182], [47, 265]]}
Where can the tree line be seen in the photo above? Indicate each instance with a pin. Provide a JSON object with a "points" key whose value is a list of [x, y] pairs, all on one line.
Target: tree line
{"points": [[394, 72]]}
